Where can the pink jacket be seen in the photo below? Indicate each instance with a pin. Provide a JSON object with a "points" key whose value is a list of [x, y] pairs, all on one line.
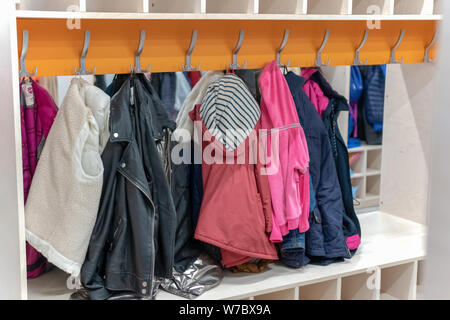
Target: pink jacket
{"points": [[288, 173], [37, 112], [313, 91]]}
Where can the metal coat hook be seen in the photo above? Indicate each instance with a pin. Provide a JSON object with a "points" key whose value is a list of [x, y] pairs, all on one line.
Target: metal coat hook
{"points": [[234, 64], [283, 44], [394, 50], [137, 58], [427, 50], [188, 66], [23, 66], [319, 53], [357, 62], [83, 70]]}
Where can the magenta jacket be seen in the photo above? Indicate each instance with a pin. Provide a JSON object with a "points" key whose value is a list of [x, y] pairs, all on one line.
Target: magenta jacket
{"points": [[288, 172], [37, 112]]}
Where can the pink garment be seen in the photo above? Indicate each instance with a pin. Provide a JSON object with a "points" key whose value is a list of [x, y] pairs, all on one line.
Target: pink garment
{"points": [[313, 91], [36, 120], [288, 177], [236, 212]]}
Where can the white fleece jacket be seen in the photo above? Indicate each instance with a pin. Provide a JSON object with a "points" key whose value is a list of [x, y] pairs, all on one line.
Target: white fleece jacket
{"points": [[63, 202]]}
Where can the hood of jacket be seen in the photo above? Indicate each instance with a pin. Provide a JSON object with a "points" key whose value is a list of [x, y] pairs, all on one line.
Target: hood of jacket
{"points": [[229, 111]]}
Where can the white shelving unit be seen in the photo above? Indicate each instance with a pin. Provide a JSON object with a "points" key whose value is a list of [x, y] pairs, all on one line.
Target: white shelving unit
{"points": [[393, 239], [234, 9], [389, 255], [366, 175]]}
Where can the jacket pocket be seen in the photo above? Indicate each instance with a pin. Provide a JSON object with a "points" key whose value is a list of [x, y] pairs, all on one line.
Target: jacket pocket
{"points": [[86, 156]]}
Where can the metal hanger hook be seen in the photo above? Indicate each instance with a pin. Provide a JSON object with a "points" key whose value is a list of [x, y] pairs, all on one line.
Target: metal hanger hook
{"points": [[319, 53], [137, 58], [23, 65], [393, 60], [283, 44], [234, 65], [357, 62], [427, 50], [188, 66], [83, 70]]}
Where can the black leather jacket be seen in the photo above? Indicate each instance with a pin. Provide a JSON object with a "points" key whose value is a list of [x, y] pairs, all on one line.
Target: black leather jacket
{"points": [[133, 238]]}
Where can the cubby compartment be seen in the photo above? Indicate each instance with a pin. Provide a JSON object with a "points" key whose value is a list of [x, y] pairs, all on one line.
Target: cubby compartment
{"points": [[373, 166], [357, 163], [287, 294], [373, 7], [437, 7], [329, 7], [399, 282], [373, 186], [413, 6], [49, 5], [174, 6], [115, 6], [326, 290], [283, 6], [360, 184], [231, 6], [362, 286]]}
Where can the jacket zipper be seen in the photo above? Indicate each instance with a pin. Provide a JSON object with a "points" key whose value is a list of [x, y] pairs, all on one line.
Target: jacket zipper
{"points": [[152, 272]]}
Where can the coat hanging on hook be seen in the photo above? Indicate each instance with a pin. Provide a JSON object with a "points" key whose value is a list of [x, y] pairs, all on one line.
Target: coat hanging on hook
{"points": [[83, 70]]}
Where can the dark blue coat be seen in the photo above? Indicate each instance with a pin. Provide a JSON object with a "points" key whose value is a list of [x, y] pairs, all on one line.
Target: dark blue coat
{"points": [[338, 103], [325, 241]]}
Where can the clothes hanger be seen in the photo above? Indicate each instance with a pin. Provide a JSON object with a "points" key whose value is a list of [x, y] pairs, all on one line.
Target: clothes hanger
{"points": [[83, 70], [283, 44], [393, 60], [427, 50], [356, 61], [188, 66], [319, 62], [23, 72], [234, 65], [137, 57]]}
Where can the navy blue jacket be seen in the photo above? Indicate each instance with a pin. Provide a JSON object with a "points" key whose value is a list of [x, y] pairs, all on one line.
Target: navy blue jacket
{"points": [[325, 241], [337, 104]]}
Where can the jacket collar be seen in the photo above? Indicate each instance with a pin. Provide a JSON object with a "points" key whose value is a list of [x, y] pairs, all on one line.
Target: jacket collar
{"points": [[337, 101], [120, 120]]}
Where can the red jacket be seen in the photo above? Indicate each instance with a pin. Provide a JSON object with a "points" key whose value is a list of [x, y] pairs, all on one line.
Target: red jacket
{"points": [[236, 210]]}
